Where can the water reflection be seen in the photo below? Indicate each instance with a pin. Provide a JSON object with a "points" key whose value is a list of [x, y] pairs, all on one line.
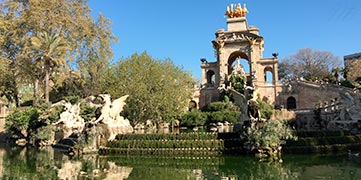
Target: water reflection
{"points": [[27, 163]]}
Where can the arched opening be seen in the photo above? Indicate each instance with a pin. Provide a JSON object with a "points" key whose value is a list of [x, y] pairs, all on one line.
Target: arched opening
{"points": [[211, 78], [268, 75], [192, 105], [238, 63], [238, 57], [240, 67], [291, 103]]}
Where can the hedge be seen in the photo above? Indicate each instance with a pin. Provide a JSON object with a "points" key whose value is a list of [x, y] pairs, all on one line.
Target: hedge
{"points": [[180, 136], [203, 144], [321, 133], [316, 141], [183, 143]]}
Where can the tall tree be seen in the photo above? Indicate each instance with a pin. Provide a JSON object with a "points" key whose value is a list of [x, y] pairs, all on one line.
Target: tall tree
{"points": [[49, 49], [94, 61], [70, 20], [12, 42], [309, 64], [158, 89]]}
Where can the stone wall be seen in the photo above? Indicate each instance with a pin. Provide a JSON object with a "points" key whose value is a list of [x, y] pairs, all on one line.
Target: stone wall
{"points": [[308, 94]]}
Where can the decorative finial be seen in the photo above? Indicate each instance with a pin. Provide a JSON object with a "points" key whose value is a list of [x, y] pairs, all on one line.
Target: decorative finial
{"points": [[236, 10]]}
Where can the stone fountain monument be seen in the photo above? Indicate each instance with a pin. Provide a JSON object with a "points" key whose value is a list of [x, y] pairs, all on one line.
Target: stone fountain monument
{"points": [[80, 137]]}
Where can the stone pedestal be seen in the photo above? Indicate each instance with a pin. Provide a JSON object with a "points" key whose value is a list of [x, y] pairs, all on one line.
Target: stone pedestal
{"points": [[237, 24]]}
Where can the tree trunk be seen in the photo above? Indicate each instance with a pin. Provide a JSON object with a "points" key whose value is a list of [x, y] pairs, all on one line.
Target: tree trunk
{"points": [[47, 77], [35, 95], [17, 100]]}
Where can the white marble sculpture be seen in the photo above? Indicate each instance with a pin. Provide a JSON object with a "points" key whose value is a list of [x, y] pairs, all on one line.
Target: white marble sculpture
{"points": [[347, 113], [71, 118], [110, 116]]}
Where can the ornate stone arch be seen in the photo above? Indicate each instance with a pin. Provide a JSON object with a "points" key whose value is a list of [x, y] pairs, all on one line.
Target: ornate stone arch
{"points": [[233, 57]]}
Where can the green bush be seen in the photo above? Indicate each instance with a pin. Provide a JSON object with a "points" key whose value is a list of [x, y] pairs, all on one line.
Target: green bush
{"points": [[194, 118], [18, 121], [265, 109], [214, 112], [87, 113], [238, 83], [71, 99], [215, 106], [269, 137], [220, 106], [221, 116], [44, 133]]}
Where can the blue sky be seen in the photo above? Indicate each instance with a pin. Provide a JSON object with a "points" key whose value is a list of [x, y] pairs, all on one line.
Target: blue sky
{"points": [[183, 30]]}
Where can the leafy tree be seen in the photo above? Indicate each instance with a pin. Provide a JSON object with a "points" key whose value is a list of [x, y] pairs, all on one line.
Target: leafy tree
{"points": [[158, 89], [49, 50], [353, 73], [68, 22], [94, 62], [72, 85], [308, 64]]}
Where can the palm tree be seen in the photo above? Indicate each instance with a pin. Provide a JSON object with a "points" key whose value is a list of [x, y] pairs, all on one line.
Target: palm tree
{"points": [[49, 49]]}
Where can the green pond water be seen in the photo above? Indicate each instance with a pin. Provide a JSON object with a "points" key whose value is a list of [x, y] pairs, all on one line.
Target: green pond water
{"points": [[27, 163]]}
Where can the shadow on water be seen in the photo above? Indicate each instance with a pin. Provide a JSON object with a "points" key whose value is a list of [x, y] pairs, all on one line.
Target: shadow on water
{"points": [[29, 163]]}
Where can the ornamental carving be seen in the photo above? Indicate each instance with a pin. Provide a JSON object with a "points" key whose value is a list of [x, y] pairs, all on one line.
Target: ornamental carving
{"points": [[234, 37], [238, 37]]}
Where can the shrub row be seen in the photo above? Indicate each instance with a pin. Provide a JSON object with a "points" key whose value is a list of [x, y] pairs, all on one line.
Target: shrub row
{"points": [[321, 133], [194, 144], [315, 141], [158, 151], [322, 149], [180, 136]]}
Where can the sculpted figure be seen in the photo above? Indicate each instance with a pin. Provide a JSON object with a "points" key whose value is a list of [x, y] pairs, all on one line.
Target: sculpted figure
{"points": [[110, 116], [70, 118], [234, 11], [350, 111]]}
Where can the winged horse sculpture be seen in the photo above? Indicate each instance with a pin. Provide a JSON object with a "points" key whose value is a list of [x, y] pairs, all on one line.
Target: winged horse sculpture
{"points": [[110, 115]]}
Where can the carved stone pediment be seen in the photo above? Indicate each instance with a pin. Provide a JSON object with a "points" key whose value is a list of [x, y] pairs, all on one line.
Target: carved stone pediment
{"points": [[237, 37]]}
